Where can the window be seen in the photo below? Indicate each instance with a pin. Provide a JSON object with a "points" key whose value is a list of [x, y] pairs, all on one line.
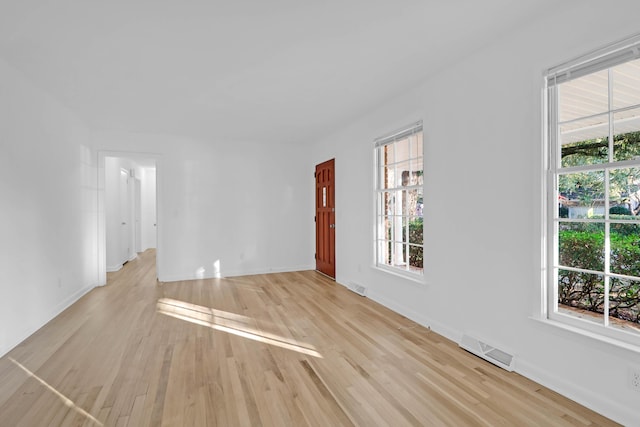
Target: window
{"points": [[593, 192], [399, 201]]}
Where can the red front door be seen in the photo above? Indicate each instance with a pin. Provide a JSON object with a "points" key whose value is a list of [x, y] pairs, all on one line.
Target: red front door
{"points": [[325, 218]]}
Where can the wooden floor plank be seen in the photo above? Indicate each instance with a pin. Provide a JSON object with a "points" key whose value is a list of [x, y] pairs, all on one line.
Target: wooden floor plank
{"points": [[283, 349]]}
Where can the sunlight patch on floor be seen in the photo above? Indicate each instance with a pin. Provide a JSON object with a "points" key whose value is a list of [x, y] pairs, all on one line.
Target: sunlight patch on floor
{"points": [[231, 323], [68, 402]]}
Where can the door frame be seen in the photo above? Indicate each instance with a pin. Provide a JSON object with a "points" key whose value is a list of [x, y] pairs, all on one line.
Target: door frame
{"points": [[101, 207]]}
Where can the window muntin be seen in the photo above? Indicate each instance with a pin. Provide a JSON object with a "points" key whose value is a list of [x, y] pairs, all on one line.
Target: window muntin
{"points": [[593, 191], [400, 201]]}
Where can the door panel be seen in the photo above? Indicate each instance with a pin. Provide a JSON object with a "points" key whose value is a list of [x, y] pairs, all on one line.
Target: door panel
{"points": [[137, 202], [125, 233], [325, 218]]}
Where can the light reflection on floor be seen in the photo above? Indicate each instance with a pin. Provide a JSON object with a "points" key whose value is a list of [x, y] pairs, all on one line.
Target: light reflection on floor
{"points": [[231, 323], [68, 402]]}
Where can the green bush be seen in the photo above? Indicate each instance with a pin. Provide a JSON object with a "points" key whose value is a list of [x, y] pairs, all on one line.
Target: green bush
{"points": [[415, 236], [619, 210], [627, 229], [582, 246], [563, 212]]}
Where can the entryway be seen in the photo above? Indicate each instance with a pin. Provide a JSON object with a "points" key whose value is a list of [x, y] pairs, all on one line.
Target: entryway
{"points": [[325, 218], [127, 208]]}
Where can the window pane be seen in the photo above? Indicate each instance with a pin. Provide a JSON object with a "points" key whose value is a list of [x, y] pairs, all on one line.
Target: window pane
{"points": [[415, 202], [581, 194], [585, 142], [386, 203], [416, 145], [624, 305], [625, 249], [415, 230], [402, 174], [415, 258], [386, 176], [384, 252], [402, 149], [397, 226], [416, 171], [387, 154], [398, 253], [386, 228], [397, 206], [581, 245], [581, 295], [624, 193], [626, 131], [583, 97], [626, 91]]}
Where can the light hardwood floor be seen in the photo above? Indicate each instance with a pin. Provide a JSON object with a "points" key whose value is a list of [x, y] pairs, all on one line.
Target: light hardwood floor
{"points": [[288, 349]]}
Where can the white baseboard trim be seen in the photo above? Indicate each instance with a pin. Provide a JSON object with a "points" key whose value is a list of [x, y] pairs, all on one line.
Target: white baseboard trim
{"points": [[597, 402], [114, 268], [118, 267], [62, 306], [600, 403], [233, 273]]}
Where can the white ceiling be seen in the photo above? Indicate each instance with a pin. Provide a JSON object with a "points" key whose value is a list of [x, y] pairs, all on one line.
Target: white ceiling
{"points": [[257, 70]]}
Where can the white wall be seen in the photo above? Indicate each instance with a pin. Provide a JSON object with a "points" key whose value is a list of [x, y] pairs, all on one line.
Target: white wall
{"points": [[48, 211], [250, 206], [482, 125], [148, 207], [245, 205]]}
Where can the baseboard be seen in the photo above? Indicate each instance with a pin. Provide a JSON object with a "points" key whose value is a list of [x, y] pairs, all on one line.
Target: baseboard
{"points": [[118, 267], [66, 303], [234, 273], [599, 403], [114, 268]]}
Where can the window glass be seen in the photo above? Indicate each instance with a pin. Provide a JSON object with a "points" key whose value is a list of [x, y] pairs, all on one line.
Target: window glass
{"points": [[400, 202], [594, 191]]}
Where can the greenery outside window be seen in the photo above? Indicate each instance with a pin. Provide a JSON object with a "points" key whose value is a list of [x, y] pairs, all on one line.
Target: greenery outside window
{"points": [[593, 192], [399, 201]]}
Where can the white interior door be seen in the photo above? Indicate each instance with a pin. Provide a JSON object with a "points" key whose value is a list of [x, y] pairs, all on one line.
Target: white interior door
{"points": [[125, 210], [137, 202]]}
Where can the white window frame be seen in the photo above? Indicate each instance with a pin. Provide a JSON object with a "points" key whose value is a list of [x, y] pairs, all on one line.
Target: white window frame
{"points": [[602, 59], [379, 240]]}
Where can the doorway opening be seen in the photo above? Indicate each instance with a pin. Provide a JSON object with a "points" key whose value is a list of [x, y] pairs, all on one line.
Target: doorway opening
{"points": [[127, 209]]}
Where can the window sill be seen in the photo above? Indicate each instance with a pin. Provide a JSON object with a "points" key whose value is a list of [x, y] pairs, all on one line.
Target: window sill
{"points": [[412, 277], [585, 333]]}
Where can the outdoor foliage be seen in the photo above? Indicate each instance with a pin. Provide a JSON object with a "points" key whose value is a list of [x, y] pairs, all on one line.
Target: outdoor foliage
{"points": [[582, 245], [584, 249], [619, 210], [415, 236], [563, 212], [625, 146]]}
